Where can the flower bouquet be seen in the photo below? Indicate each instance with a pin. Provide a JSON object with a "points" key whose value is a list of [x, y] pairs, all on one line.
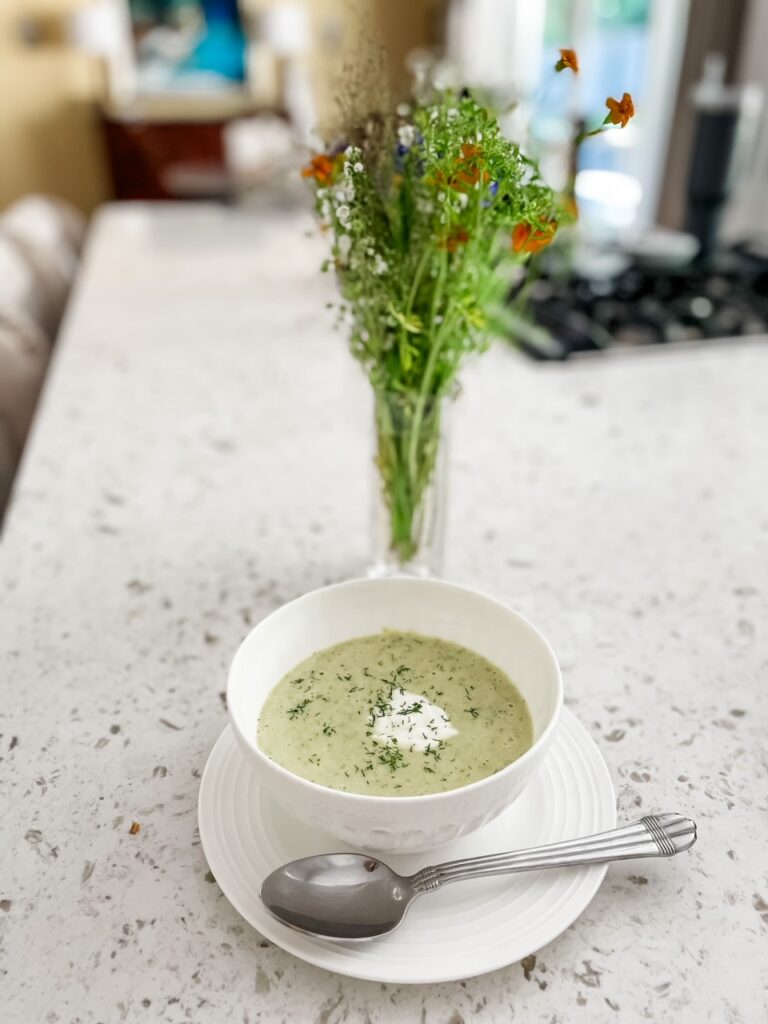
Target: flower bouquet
{"points": [[424, 206]]}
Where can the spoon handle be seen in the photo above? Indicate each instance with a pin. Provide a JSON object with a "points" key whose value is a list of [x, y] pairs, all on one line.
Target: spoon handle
{"points": [[656, 835]]}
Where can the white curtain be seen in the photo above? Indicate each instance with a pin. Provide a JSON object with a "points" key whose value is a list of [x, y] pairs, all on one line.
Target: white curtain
{"points": [[497, 43]]}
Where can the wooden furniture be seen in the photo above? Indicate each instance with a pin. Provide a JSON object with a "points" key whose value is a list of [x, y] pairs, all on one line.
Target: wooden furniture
{"points": [[172, 150]]}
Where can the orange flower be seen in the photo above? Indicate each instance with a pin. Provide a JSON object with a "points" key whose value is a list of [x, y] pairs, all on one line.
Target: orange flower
{"points": [[455, 239], [469, 178], [568, 59], [527, 238], [619, 111], [469, 170], [320, 168]]}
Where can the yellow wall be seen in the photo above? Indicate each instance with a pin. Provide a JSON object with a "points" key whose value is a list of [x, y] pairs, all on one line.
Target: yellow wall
{"points": [[360, 26], [49, 134]]}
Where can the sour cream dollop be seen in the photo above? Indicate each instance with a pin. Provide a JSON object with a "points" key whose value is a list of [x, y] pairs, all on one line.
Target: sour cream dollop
{"points": [[414, 722]]}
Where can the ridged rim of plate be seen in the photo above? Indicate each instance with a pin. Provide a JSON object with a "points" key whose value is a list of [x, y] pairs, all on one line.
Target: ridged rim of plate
{"points": [[472, 931]]}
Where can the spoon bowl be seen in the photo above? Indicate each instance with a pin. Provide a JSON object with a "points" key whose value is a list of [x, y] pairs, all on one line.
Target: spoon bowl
{"points": [[338, 895]]}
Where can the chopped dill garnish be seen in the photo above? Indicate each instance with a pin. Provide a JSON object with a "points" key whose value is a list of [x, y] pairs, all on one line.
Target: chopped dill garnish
{"points": [[299, 708], [392, 757], [413, 709]]}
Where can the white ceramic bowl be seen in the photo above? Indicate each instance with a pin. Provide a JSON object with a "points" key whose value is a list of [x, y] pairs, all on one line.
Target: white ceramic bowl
{"points": [[361, 607]]}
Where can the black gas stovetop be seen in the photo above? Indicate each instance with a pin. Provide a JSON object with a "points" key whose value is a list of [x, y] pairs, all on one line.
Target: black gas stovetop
{"points": [[563, 313]]}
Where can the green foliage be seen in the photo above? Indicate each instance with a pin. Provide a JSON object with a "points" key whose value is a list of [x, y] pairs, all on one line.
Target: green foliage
{"points": [[421, 207]]}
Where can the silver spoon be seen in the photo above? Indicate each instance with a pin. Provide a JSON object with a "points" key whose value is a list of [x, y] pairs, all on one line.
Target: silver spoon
{"points": [[354, 896]]}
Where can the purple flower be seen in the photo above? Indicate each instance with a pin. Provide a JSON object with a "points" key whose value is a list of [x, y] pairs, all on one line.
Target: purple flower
{"points": [[493, 188]]}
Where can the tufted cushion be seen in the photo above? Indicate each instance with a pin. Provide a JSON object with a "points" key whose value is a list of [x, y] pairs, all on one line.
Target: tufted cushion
{"points": [[47, 224], [40, 240], [23, 359]]}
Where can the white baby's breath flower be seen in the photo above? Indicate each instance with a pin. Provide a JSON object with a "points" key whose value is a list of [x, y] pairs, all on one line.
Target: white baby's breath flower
{"points": [[437, 320], [406, 135], [341, 195], [452, 113], [343, 213], [380, 265], [344, 244], [479, 136], [441, 196], [358, 168], [463, 199], [403, 109]]}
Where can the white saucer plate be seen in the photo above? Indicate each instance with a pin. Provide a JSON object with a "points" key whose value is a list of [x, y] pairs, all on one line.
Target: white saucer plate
{"points": [[460, 931]]}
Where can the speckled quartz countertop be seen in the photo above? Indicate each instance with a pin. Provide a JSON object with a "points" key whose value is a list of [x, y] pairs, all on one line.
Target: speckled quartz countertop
{"points": [[200, 457]]}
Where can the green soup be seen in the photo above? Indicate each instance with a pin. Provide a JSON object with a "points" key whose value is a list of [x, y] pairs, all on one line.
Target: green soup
{"points": [[395, 714]]}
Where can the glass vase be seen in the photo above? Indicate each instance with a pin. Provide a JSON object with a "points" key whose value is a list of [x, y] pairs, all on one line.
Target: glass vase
{"points": [[409, 484]]}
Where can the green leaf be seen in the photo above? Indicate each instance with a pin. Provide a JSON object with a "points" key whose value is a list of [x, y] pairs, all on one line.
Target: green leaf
{"points": [[413, 324]]}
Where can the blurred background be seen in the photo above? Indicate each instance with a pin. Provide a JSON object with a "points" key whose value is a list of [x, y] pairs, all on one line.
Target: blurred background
{"points": [[216, 100], [126, 99]]}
